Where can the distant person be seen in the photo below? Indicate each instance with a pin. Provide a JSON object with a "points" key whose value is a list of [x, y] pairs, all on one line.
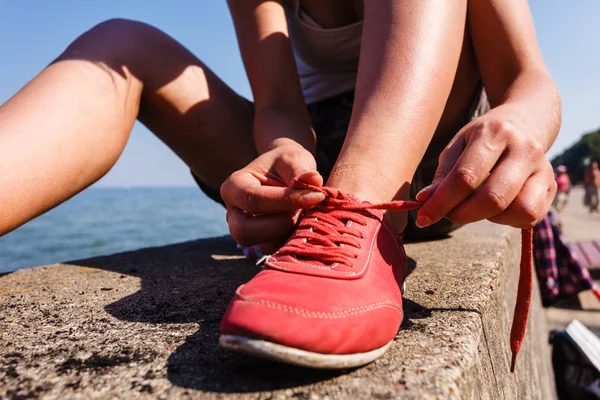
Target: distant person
{"points": [[591, 181], [563, 187], [365, 96]]}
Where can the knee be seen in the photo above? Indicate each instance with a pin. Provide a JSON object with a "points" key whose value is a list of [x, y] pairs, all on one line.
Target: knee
{"points": [[115, 41]]}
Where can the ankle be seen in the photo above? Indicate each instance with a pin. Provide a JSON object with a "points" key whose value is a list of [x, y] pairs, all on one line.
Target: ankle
{"points": [[368, 183]]}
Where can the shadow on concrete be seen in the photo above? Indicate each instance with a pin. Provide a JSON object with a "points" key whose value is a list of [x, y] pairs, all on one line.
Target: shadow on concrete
{"points": [[192, 283], [432, 238], [413, 312], [230, 372], [198, 364], [412, 265]]}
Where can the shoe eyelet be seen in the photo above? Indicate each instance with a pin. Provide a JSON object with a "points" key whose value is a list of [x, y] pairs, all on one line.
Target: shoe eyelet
{"points": [[366, 224], [362, 236]]}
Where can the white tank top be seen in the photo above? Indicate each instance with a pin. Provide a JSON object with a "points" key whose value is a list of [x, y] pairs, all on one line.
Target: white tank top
{"points": [[327, 59]]}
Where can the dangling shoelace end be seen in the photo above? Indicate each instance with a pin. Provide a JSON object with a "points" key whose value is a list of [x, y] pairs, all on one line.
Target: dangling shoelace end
{"points": [[513, 363], [596, 292], [524, 293]]}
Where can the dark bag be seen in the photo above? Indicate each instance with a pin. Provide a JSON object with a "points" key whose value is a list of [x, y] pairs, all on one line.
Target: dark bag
{"points": [[576, 376]]}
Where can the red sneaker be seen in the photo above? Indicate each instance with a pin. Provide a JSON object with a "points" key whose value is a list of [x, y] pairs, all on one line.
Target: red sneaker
{"points": [[330, 297]]}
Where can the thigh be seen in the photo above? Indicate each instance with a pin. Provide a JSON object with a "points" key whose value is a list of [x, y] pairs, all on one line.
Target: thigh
{"points": [[68, 126], [183, 102]]}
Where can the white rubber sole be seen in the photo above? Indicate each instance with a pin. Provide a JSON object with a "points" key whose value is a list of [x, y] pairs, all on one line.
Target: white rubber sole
{"points": [[302, 358]]}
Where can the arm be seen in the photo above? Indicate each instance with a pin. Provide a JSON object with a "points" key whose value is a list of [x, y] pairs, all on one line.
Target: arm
{"points": [[280, 112], [508, 143], [260, 209], [512, 67], [409, 56]]}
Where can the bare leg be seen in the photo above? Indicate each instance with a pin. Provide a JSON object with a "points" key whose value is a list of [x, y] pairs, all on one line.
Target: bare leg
{"points": [[66, 128], [426, 91]]}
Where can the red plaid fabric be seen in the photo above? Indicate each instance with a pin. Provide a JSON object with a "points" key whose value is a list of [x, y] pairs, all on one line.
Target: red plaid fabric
{"points": [[559, 272]]}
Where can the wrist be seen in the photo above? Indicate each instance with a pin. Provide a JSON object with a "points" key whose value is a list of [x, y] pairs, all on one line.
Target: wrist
{"points": [[535, 99], [285, 142], [274, 128]]}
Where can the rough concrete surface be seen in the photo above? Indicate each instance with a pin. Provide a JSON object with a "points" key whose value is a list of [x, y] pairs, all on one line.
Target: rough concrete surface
{"points": [[144, 324]]}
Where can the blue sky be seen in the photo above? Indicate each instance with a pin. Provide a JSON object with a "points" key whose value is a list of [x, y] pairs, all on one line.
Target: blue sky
{"points": [[33, 32]]}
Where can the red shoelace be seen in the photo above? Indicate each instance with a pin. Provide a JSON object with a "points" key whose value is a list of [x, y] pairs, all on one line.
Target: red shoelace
{"points": [[323, 230]]}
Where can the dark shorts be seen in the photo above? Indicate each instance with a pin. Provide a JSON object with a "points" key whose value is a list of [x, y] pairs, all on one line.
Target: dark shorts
{"points": [[330, 119]]}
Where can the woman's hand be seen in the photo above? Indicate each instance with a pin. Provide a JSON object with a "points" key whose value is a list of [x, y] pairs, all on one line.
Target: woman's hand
{"points": [[262, 208], [494, 169]]}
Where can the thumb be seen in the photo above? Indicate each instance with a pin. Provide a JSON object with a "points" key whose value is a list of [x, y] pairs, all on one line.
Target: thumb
{"points": [[448, 157], [311, 178]]}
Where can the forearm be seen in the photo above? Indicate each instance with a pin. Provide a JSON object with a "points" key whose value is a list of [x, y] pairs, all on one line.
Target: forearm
{"points": [[408, 60], [280, 111], [534, 96], [512, 67]]}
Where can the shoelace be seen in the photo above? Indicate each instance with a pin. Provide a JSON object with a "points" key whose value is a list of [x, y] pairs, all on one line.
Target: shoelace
{"points": [[321, 232]]}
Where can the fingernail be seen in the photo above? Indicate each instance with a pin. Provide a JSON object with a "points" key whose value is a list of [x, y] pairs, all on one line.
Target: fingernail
{"points": [[312, 197], [422, 192], [423, 221]]}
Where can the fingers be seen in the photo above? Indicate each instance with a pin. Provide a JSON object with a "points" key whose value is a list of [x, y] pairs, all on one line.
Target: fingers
{"points": [[242, 190], [467, 174], [531, 204], [292, 164], [311, 178], [497, 193], [248, 230], [262, 207], [447, 159]]}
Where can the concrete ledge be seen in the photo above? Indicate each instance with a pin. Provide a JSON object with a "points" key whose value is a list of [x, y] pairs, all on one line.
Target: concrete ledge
{"points": [[145, 324]]}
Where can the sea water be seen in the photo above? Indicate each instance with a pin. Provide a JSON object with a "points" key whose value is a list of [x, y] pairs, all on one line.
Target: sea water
{"points": [[110, 220]]}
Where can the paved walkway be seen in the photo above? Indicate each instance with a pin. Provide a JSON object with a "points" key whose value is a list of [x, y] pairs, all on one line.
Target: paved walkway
{"points": [[579, 225]]}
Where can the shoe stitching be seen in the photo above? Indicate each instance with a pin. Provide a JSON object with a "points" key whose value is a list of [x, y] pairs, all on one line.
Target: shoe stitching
{"points": [[319, 314]]}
